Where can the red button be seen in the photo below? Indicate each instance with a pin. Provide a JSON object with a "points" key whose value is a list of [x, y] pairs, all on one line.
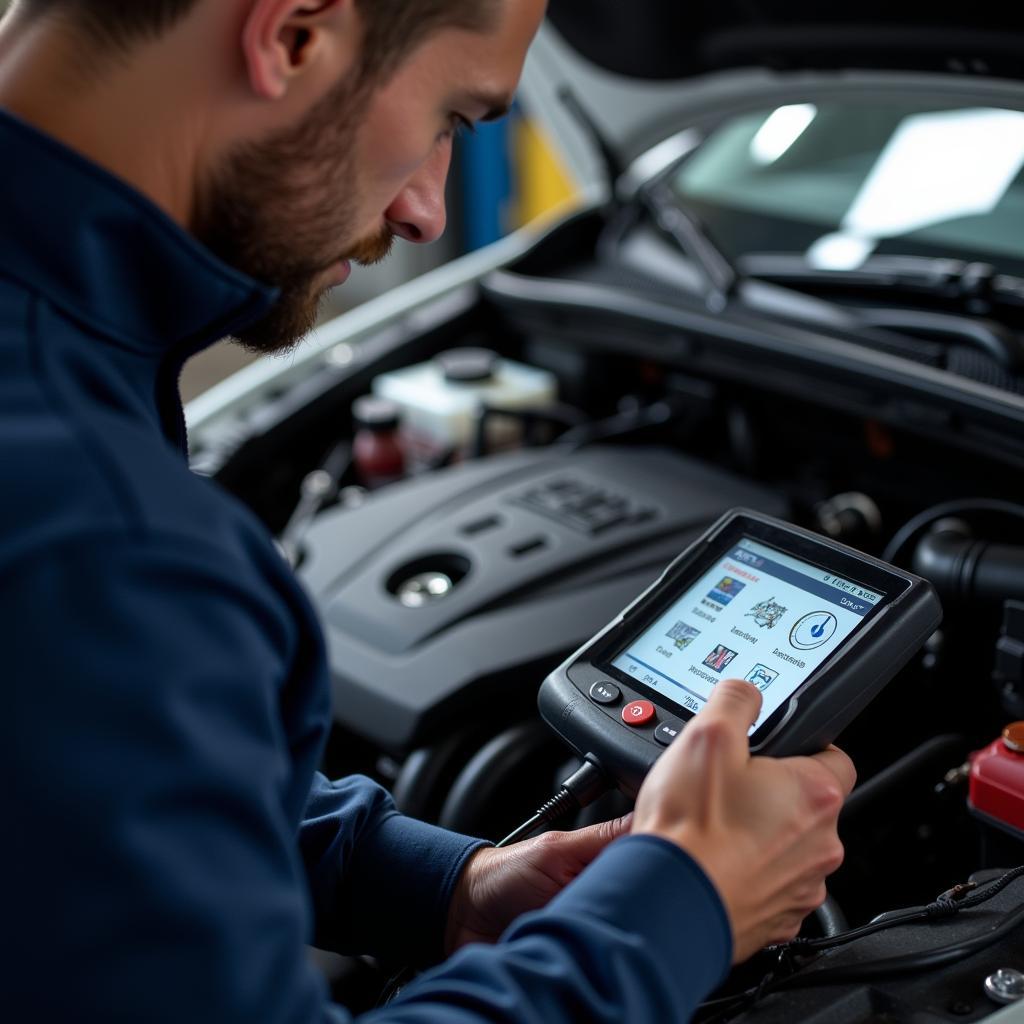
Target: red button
{"points": [[637, 713]]}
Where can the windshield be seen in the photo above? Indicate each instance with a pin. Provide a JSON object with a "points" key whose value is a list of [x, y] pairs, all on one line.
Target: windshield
{"points": [[838, 182]]}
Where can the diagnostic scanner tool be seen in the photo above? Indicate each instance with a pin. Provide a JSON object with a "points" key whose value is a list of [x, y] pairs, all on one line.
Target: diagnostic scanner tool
{"points": [[817, 627]]}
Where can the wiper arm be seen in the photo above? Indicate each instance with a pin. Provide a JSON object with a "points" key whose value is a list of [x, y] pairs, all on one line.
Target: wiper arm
{"points": [[973, 283], [994, 339], [976, 287], [679, 226], [685, 231]]}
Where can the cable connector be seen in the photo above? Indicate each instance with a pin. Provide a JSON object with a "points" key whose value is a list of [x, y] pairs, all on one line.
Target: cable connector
{"points": [[958, 892], [580, 790], [587, 783]]}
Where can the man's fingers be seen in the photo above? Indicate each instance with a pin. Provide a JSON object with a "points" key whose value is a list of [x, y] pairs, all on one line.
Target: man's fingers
{"points": [[840, 766]]}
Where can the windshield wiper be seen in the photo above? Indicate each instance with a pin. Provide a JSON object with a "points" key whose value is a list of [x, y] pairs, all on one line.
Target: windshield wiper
{"points": [[685, 231], [679, 226], [996, 340], [975, 291], [972, 283]]}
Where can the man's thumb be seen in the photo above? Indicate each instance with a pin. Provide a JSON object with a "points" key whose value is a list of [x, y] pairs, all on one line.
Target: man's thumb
{"points": [[736, 700], [587, 843]]}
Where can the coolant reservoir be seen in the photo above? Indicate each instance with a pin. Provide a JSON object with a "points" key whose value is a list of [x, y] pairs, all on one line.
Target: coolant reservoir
{"points": [[997, 781], [441, 400]]}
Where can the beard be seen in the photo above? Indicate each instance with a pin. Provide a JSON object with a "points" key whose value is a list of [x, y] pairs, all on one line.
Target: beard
{"points": [[283, 212]]}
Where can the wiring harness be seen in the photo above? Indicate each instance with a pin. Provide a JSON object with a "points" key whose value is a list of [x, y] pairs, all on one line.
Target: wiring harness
{"points": [[789, 970]]}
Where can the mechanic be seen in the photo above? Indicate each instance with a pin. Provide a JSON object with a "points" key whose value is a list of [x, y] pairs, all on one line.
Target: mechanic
{"points": [[174, 171]]}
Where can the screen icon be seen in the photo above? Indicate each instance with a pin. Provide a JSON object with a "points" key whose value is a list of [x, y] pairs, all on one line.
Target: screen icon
{"points": [[812, 630], [761, 676], [767, 613], [719, 658], [682, 635], [726, 589]]}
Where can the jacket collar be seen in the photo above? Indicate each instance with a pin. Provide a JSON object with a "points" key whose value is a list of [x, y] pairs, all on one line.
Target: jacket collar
{"points": [[107, 256]]}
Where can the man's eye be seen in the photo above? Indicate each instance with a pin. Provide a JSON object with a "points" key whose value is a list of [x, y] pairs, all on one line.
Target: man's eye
{"points": [[458, 125]]}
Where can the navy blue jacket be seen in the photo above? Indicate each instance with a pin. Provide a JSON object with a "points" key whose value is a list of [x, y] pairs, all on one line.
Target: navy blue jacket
{"points": [[167, 846]]}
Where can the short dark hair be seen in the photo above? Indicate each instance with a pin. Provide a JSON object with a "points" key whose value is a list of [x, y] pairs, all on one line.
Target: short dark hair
{"points": [[394, 28], [114, 22]]}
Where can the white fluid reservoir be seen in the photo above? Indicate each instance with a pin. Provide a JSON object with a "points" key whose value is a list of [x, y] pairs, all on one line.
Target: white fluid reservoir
{"points": [[441, 400]]}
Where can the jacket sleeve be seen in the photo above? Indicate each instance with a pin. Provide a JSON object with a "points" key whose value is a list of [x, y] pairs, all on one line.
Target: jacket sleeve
{"points": [[641, 936], [382, 883], [157, 874]]}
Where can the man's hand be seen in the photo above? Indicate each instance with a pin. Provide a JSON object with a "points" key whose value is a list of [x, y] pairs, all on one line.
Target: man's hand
{"points": [[498, 885], [763, 829]]}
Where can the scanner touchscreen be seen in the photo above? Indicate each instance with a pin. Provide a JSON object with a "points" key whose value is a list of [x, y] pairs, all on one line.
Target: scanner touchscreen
{"points": [[758, 614]]}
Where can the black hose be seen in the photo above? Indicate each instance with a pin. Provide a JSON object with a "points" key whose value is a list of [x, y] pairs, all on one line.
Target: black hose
{"points": [[830, 917], [938, 749], [418, 789], [961, 566], [473, 791], [909, 531]]}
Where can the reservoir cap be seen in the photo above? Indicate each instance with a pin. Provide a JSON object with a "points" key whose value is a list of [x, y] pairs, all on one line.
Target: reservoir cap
{"points": [[468, 365]]}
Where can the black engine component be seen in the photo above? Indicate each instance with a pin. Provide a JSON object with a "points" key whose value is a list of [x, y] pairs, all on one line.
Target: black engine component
{"points": [[455, 591], [898, 984], [961, 565]]}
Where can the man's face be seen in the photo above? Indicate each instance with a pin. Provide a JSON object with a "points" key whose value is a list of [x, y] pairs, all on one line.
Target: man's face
{"points": [[368, 164]]}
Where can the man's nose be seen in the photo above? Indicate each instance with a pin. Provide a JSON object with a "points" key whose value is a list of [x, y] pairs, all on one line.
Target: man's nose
{"points": [[418, 213]]}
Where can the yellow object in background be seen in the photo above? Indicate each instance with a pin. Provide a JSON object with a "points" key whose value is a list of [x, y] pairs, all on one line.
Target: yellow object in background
{"points": [[542, 180]]}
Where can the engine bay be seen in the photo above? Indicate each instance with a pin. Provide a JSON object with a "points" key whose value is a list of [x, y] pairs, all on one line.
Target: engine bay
{"points": [[447, 595]]}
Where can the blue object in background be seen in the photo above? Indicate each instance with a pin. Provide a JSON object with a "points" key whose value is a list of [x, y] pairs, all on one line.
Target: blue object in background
{"points": [[487, 183]]}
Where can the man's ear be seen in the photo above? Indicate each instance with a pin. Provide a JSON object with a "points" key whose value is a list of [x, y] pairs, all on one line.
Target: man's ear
{"points": [[284, 41]]}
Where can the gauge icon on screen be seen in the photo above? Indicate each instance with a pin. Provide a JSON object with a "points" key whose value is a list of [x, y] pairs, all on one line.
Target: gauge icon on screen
{"points": [[812, 630]]}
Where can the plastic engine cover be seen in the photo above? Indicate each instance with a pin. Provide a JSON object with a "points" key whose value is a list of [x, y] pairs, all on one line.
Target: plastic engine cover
{"points": [[506, 565]]}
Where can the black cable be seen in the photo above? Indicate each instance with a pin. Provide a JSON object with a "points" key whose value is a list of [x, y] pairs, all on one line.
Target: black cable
{"points": [[556, 809], [929, 959], [319, 489], [623, 424], [580, 790], [844, 938], [729, 1005], [986, 893], [946, 905]]}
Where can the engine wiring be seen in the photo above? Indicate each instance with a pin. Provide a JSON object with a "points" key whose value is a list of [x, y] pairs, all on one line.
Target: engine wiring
{"points": [[788, 973]]}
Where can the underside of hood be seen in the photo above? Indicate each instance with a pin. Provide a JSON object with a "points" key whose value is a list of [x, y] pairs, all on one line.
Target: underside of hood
{"points": [[670, 39]]}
